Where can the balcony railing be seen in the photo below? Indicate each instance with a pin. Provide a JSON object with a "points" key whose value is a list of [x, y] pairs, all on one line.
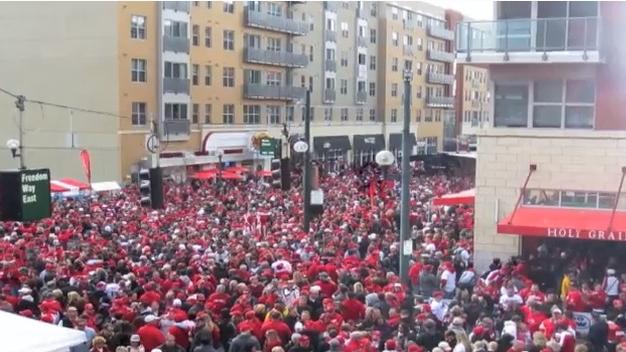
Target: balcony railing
{"points": [[408, 24], [361, 97], [176, 44], [176, 127], [330, 36], [439, 78], [329, 95], [264, 91], [441, 33], [277, 58], [176, 85], [330, 65], [529, 35], [362, 41], [443, 56], [182, 6], [433, 101], [275, 23], [408, 50]]}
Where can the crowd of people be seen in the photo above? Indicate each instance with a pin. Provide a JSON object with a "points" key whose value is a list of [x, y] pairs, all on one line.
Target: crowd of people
{"points": [[230, 269]]}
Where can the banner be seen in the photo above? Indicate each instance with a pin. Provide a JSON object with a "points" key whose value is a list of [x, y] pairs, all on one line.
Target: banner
{"points": [[583, 322], [86, 160]]}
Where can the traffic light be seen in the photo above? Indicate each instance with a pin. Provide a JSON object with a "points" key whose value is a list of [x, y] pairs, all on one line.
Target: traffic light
{"points": [[151, 188], [276, 173], [285, 175]]}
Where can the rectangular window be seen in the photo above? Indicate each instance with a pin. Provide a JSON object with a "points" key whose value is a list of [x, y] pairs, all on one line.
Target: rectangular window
{"points": [[361, 59], [208, 4], [330, 54], [394, 13], [328, 114], [311, 53], [138, 27], [228, 114], [289, 113], [373, 63], [418, 68], [373, 36], [510, 105], [228, 79], [372, 89], [311, 84], [138, 114], [372, 114], [175, 29], [394, 64], [273, 114], [344, 114], [344, 59], [251, 114], [252, 41], [175, 111], [579, 103], [373, 11], [431, 145], [359, 114], [418, 92], [195, 111], [194, 74], [547, 103], [394, 89], [408, 65], [175, 70], [208, 75], [138, 70], [229, 40], [208, 111], [252, 76], [394, 38], [394, 115], [208, 42], [229, 6], [345, 29], [428, 117], [195, 35], [274, 9], [273, 44], [273, 78], [418, 116], [343, 88]]}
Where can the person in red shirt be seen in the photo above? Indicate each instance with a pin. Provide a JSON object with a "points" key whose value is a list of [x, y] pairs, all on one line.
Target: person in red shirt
{"points": [[327, 286], [352, 309], [150, 335], [575, 301], [252, 323], [548, 326], [275, 323], [533, 317], [598, 297], [330, 316]]}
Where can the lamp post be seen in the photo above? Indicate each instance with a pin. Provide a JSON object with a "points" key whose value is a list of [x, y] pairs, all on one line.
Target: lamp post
{"points": [[405, 242], [306, 174], [385, 158], [16, 151], [220, 156]]}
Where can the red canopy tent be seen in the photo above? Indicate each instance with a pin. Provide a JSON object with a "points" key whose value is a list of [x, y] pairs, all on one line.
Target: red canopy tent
{"points": [[464, 197], [205, 174], [236, 169], [231, 176], [68, 185]]}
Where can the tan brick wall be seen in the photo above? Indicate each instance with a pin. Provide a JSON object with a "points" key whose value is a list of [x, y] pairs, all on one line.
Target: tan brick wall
{"points": [[566, 160]]}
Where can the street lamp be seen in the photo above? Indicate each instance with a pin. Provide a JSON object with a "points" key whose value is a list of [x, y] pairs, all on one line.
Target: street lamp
{"points": [[220, 155], [16, 151], [385, 158]]}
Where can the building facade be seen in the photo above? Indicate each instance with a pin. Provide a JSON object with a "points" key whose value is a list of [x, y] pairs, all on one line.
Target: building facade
{"points": [[550, 157]]}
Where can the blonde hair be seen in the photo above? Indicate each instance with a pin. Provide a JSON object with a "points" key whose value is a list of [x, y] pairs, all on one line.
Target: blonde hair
{"points": [[98, 339]]}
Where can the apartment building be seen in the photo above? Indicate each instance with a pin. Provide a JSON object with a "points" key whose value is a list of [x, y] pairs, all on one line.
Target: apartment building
{"points": [[472, 101], [551, 156]]}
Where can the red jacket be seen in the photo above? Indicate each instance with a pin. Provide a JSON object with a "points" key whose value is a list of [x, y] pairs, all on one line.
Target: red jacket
{"points": [[281, 328], [181, 335], [150, 336], [353, 309]]}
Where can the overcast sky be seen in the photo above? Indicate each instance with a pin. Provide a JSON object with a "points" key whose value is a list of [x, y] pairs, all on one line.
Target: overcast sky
{"points": [[476, 9]]}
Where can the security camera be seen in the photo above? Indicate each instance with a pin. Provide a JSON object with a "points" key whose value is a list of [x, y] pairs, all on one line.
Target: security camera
{"points": [[13, 145]]}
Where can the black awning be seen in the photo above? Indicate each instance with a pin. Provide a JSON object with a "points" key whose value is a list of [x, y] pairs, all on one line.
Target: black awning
{"points": [[369, 142], [331, 143], [395, 141]]}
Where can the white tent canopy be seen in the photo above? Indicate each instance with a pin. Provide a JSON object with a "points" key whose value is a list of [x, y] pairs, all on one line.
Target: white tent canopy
{"points": [[20, 334], [105, 186]]}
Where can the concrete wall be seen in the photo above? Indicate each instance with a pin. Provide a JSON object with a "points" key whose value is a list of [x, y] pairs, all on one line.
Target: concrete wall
{"points": [[64, 53], [565, 159]]}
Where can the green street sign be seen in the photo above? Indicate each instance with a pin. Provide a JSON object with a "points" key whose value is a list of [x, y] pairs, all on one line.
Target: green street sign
{"points": [[268, 147], [35, 194]]}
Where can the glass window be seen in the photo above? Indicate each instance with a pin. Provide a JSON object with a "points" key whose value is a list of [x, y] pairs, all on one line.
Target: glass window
{"points": [[580, 91], [229, 40], [229, 6], [548, 91], [372, 114], [541, 197], [547, 116], [208, 109], [194, 74], [195, 111], [373, 36], [228, 79], [579, 199], [273, 114], [138, 113], [207, 37], [252, 114], [138, 70], [138, 27], [228, 114], [372, 89], [195, 35], [394, 115], [344, 114], [359, 114], [373, 63], [207, 75], [606, 200], [511, 105], [579, 117]]}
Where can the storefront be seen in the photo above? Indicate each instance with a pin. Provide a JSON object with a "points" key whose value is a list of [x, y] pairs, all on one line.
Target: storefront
{"points": [[331, 149], [366, 146], [395, 144]]}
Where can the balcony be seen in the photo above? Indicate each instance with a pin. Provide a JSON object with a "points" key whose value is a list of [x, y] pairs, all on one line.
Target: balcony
{"points": [[176, 127], [176, 85], [176, 44], [528, 40], [408, 24], [439, 102], [441, 33], [329, 95], [330, 36], [361, 12], [361, 97], [439, 78], [182, 6], [264, 91], [331, 5], [362, 42], [330, 65], [408, 50], [275, 23], [276, 58], [443, 56]]}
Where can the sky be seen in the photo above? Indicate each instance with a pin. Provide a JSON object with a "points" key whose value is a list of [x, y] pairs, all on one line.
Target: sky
{"points": [[476, 9]]}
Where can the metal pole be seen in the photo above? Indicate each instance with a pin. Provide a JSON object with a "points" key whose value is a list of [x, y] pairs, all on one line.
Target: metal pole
{"points": [[20, 106], [406, 174], [306, 183]]}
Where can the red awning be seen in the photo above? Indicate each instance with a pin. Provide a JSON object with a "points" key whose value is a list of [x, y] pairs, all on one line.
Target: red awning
{"points": [[236, 169], [231, 176], [205, 174], [463, 197], [584, 224]]}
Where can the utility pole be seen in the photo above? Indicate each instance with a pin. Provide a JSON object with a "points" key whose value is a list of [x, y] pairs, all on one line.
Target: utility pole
{"points": [[306, 184], [406, 175], [19, 104]]}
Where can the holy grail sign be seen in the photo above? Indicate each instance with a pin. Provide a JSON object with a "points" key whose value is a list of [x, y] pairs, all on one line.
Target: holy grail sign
{"points": [[602, 235]]}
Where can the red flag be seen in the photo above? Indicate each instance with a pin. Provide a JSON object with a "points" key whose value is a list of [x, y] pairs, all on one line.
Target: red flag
{"points": [[373, 192], [84, 157]]}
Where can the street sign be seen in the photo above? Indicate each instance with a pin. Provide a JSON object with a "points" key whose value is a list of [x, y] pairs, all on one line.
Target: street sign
{"points": [[268, 147], [25, 195]]}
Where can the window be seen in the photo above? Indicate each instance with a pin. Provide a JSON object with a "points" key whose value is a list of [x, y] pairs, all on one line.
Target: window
{"points": [[428, 115], [394, 64], [254, 6], [372, 89], [418, 68], [229, 40], [418, 116], [195, 111], [418, 92], [303, 81], [372, 9], [208, 75], [373, 63], [138, 114], [138, 27], [311, 53], [311, 84], [273, 44], [208, 110], [175, 111], [372, 36], [329, 83], [394, 38], [229, 6], [273, 78], [372, 114], [344, 59], [175, 29], [289, 112], [394, 13], [394, 89], [579, 103], [195, 35], [407, 40], [510, 105], [330, 24], [208, 42], [394, 115], [343, 86], [175, 70], [361, 58], [228, 114], [209, 4], [273, 114], [274, 9], [344, 29], [252, 76], [228, 79], [408, 65], [431, 145], [194, 74], [330, 54], [138, 70], [548, 102], [344, 114], [359, 114], [328, 114], [437, 115], [252, 114]]}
